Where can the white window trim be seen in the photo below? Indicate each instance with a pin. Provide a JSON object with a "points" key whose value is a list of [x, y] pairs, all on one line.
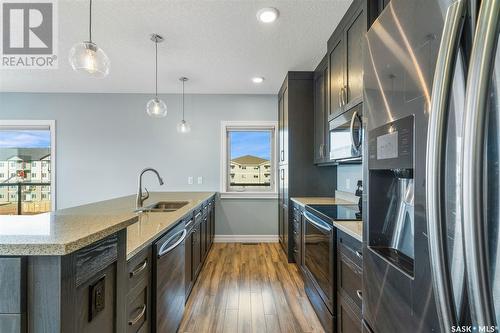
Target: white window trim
{"points": [[39, 124], [243, 125]]}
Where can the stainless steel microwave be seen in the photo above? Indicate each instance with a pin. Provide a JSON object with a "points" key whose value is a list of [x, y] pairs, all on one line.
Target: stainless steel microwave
{"points": [[346, 136]]}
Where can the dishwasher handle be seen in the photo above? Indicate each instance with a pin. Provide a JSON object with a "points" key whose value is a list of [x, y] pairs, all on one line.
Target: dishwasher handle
{"points": [[164, 250]]}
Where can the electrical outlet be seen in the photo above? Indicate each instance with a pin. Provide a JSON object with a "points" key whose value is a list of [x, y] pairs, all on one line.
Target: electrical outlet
{"points": [[190, 180], [200, 180], [348, 183], [97, 297]]}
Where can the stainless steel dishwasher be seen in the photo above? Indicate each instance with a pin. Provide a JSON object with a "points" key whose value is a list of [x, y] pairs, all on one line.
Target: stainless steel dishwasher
{"points": [[169, 280]]}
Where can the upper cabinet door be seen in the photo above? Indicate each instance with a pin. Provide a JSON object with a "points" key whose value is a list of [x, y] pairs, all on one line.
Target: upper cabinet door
{"points": [[280, 129], [320, 113], [336, 77], [284, 148], [354, 35]]}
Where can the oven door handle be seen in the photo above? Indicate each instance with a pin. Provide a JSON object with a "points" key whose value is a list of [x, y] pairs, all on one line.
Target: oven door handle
{"points": [[316, 224]]}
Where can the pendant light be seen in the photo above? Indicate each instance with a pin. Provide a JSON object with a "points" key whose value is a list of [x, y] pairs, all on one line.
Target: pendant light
{"points": [[156, 107], [183, 126], [86, 57]]}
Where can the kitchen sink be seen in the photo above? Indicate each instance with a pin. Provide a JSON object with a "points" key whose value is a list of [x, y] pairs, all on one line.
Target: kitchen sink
{"points": [[163, 206]]}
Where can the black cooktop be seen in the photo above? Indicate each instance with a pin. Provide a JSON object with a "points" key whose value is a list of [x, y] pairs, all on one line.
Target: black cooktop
{"points": [[335, 212]]}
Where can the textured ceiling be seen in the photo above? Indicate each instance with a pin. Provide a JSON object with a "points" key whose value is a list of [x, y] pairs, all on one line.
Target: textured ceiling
{"points": [[218, 44]]}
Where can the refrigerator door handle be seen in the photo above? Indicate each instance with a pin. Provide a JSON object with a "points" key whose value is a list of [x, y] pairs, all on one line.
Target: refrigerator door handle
{"points": [[436, 221], [476, 113]]}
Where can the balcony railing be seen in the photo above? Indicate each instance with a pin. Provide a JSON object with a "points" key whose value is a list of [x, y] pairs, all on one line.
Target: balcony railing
{"points": [[24, 202]]}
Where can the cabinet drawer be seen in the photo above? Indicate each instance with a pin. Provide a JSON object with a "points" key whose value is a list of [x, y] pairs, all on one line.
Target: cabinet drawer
{"points": [[139, 267], [138, 309], [349, 318], [350, 277], [350, 247]]}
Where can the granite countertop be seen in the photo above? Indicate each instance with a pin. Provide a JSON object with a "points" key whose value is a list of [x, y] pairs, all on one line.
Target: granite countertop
{"points": [[152, 225], [352, 228], [67, 230]]}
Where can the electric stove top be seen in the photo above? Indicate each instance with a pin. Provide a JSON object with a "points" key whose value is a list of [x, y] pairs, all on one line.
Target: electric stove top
{"points": [[335, 212]]}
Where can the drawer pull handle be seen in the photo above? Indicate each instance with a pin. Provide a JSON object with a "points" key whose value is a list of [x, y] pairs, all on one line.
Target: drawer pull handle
{"points": [[359, 254], [197, 215], [360, 294], [134, 321], [139, 269]]}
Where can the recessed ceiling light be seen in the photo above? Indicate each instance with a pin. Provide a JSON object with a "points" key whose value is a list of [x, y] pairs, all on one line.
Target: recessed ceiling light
{"points": [[258, 79], [268, 15]]}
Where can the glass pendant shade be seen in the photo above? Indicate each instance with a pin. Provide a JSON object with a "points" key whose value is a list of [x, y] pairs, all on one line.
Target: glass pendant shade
{"points": [[183, 127], [156, 108], [86, 57]]}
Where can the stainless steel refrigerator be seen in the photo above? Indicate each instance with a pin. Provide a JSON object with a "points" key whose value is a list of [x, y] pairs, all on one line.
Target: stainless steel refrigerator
{"points": [[431, 250]]}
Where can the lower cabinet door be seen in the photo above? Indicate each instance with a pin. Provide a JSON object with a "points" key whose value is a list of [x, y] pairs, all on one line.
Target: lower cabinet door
{"points": [[189, 263], [204, 233], [196, 248], [138, 309], [348, 316]]}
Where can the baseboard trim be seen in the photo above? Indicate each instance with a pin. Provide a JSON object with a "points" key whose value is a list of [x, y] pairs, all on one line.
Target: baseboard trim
{"points": [[246, 239]]}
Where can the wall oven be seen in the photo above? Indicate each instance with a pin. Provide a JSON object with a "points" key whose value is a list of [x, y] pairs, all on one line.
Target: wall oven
{"points": [[346, 135]]}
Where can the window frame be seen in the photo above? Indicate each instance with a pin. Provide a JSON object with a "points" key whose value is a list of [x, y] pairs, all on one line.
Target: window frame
{"points": [[225, 191], [39, 125]]}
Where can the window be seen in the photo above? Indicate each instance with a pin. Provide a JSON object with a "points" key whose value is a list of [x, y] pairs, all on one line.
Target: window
{"points": [[27, 144], [247, 149]]}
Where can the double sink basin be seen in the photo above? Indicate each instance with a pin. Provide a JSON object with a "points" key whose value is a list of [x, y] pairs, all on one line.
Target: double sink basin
{"points": [[163, 207]]}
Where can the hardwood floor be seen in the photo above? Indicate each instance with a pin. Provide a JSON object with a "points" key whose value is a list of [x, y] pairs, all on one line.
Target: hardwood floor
{"points": [[249, 288]]}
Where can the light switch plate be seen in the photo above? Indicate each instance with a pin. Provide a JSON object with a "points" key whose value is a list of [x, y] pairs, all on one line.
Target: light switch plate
{"points": [[200, 180], [190, 180]]}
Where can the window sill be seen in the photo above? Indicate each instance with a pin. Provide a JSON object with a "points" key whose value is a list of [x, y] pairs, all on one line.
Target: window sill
{"points": [[248, 195]]}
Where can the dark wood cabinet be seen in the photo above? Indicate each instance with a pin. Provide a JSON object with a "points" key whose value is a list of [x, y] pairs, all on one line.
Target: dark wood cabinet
{"points": [[138, 312], [348, 319], [196, 249], [349, 283], [297, 230], [345, 60], [354, 38], [189, 274], [204, 234], [336, 78], [321, 146], [298, 175]]}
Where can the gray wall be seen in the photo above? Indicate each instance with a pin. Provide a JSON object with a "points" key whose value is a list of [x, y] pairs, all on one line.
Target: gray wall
{"points": [[104, 140]]}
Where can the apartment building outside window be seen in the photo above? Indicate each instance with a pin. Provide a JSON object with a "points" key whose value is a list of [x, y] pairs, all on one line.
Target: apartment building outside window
{"points": [[249, 163], [27, 166]]}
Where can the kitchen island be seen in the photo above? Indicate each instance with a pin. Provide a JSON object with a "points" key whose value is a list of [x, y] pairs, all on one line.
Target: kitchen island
{"points": [[66, 271]]}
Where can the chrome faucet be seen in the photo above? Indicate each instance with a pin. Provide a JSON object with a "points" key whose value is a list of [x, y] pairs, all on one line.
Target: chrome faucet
{"points": [[142, 197]]}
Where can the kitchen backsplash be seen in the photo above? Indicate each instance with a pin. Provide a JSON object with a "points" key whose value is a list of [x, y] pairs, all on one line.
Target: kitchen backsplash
{"points": [[348, 176]]}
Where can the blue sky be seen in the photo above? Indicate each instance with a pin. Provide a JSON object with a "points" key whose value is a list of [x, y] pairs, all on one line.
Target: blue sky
{"points": [[24, 139], [256, 143]]}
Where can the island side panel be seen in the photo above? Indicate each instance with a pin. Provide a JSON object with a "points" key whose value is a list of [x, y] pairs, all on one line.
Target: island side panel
{"points": [[44, 293], [12, 294], [62, 290]]}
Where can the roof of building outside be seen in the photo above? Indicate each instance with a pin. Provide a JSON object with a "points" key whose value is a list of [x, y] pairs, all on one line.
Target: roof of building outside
{"points": [[26, 154], [249, 160]]}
